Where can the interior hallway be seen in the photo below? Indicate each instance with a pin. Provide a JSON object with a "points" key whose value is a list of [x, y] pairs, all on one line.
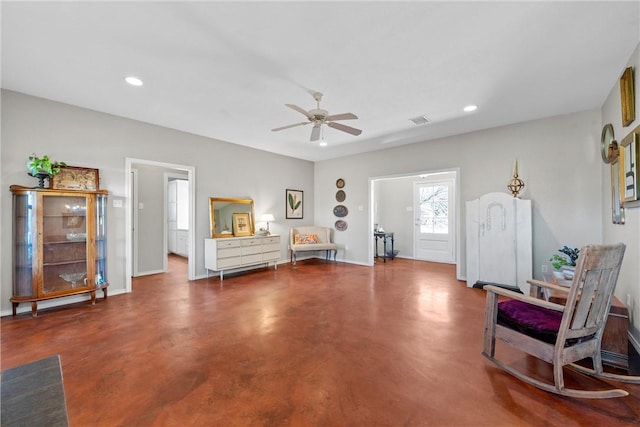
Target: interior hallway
{"points": [[324, 344]]}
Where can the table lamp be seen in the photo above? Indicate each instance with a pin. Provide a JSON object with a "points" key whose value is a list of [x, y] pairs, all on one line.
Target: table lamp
{"points": [[267, 217]]}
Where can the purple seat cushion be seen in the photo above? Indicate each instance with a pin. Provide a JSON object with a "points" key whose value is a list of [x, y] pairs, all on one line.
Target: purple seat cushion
{"points": [[538, 322]]}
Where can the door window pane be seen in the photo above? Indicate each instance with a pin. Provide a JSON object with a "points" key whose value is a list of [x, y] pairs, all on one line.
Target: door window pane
{"points": [[434, 209]]}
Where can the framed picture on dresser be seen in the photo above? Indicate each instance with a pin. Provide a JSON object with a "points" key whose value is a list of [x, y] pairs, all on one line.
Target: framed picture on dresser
{"points": [[241, 224]]}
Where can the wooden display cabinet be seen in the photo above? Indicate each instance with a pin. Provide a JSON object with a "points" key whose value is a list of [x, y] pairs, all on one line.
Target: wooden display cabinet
{"points": [[59, 244]]}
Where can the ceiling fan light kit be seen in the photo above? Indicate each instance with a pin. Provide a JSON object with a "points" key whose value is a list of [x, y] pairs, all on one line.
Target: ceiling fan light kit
{"points": [[319, 117]]}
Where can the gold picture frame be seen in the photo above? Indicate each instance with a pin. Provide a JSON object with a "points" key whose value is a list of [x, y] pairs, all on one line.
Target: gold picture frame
{"points": [[76, 178], [627, 97], [629, 155], [241, 224]]}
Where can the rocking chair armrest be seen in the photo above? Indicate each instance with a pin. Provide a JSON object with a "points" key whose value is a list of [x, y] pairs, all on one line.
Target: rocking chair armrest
{"points": [[548, 285], [525, 298]]}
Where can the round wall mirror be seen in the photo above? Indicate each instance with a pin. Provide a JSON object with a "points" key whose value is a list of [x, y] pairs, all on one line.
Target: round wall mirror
{"points": [[608, 145]]}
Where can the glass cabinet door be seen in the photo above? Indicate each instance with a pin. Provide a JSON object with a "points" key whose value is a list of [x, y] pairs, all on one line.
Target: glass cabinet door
{"points": [[101, 241], [64, 243], [24, 240]]}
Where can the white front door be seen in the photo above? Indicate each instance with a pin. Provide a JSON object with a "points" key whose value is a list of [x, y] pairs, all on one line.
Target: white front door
{"points": [[435, 220]]}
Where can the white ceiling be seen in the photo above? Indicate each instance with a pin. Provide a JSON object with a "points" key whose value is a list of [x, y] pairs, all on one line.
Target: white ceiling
{"points": [[226, 69]]}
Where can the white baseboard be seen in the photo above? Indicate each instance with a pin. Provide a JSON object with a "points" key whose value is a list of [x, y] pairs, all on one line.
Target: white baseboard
{"points": [[149, 273]]}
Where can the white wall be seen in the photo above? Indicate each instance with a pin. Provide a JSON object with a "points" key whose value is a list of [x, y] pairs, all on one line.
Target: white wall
{"points": [[558, 161], [150, 219], [393, 197], [83, 137], [629, 233]]}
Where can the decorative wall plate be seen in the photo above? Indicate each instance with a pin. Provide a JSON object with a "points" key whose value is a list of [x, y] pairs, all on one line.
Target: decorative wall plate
{"points": [[340, 183], [340, 211], [340, 196], [341, 225]]}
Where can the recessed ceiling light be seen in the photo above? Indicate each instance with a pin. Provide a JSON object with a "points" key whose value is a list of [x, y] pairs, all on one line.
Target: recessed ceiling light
{"points": [[133, 81], [323, 143], [469, 108]]}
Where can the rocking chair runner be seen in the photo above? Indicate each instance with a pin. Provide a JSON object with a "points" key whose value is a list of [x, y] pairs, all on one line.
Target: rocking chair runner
{"points": [[557, 334]]}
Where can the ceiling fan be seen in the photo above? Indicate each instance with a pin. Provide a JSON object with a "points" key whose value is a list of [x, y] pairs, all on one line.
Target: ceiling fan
{"points": [[319, 117]]}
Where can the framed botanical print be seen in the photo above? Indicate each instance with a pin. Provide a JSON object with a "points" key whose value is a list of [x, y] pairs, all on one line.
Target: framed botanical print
{"points": [[294, 204], [76, 178], [241, 224], [628, 175]]}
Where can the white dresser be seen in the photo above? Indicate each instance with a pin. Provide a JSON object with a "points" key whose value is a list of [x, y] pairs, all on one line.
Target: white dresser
{"points": [[238, 252]]}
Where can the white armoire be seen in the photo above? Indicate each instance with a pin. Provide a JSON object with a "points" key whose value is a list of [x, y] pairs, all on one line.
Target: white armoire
{"points": [[499, 241]]}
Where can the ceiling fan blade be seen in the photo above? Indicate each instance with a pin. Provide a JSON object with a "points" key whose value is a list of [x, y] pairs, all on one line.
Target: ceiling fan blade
{"points": [[290, 126], [300, 110], [344, 128], [315, 132], [343, 116]]}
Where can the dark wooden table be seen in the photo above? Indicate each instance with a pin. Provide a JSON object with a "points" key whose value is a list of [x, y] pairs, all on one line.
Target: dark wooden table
{"points": [[384, 235]]}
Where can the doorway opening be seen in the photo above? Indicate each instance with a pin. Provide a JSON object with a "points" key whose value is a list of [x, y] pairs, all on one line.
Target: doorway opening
{"points": [[421, 210], [147, 220]]}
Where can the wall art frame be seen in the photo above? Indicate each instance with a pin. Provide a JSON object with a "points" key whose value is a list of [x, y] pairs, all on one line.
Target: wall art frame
{"points": [[617, 210], [294, 204], [628, 176], [627, 97], [76, 178], [241, 224]]}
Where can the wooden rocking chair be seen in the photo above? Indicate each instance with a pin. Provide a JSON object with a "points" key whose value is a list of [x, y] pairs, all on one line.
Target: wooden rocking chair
{"points": [[560, 334]]}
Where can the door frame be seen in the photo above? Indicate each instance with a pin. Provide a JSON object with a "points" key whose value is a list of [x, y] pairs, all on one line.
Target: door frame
{"points": [[129, 197], [373, 202]]}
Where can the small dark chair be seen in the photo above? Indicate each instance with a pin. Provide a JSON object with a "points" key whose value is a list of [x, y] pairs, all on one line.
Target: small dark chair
{"points": [[560, 334]]}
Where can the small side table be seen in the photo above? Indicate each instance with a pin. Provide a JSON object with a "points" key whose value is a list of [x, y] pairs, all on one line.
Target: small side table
{"points": [[384, 235]]}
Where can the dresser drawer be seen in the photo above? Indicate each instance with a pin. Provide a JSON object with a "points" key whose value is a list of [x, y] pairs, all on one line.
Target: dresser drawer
{"points": [[271, 240], [250, 242], [251, 259], [228, 262], [251, 250], [271, 256], [227, 243], [229, 252], [271, 247]]}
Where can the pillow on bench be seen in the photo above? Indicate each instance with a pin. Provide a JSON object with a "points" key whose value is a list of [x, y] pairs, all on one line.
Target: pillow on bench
{"points": [[304, 239]]}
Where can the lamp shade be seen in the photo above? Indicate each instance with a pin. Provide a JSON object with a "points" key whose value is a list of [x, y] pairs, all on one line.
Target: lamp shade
{"points": [[267, 217]]}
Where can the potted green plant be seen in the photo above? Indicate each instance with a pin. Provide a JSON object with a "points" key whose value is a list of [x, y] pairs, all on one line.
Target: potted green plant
{"points": [[565, 263], [43, 168], [567, 260]]}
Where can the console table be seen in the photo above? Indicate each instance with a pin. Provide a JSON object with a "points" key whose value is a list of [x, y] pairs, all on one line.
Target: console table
{"points": [[237, 252], [384, 235]]}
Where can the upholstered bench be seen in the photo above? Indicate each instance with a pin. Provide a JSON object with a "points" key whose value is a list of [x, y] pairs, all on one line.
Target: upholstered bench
{"points": [[311, 238]]}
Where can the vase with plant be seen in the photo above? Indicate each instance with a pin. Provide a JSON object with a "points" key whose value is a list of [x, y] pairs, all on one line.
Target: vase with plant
{"points": [[43, 168], [565, 263]]}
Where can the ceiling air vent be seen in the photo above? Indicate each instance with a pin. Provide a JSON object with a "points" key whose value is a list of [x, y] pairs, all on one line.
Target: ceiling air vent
{"points": [[420, 120]]}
